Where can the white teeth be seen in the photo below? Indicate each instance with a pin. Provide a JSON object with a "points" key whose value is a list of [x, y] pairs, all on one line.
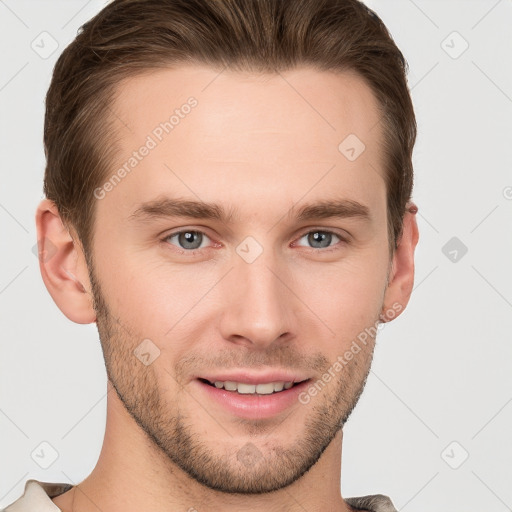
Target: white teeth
{"points": [[251, 389], [230, 386], [264, 389], [246, 389]]}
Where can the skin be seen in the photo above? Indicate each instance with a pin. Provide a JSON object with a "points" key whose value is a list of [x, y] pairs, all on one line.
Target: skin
{"points": [[255, 145]]}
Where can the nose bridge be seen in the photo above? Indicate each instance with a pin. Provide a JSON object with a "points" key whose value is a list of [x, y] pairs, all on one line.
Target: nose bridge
{"points": [[258, 306]]}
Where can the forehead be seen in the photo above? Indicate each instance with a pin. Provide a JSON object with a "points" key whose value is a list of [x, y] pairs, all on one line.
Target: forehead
{"points": [[247, 136], [323, 101]]}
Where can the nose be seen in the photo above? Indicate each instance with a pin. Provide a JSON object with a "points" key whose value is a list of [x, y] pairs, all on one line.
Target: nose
{"points": [[259, 307]]}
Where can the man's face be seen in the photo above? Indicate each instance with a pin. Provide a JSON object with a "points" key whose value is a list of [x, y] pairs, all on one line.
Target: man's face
{"points": [[263, 295]]}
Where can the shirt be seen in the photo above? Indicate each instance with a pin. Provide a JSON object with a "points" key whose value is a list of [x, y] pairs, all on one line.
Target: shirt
{"points": [[37, 494]]}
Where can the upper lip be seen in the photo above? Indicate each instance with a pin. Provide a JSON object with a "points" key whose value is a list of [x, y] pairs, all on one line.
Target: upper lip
{"points": [[250, 377]]}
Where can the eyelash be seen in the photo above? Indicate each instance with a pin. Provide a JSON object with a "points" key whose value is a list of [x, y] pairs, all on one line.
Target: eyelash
{"points": [[342, 240]]}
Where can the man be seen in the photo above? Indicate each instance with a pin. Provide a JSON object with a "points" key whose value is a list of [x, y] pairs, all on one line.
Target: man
{"points": [[228, 190]]}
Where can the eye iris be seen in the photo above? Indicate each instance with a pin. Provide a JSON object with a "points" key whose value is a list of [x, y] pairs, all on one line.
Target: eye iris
{"points": [[190, 239], [320, 237]]}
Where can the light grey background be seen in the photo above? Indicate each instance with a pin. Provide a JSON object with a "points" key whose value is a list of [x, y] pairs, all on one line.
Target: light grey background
{"points": [[441, 384]]}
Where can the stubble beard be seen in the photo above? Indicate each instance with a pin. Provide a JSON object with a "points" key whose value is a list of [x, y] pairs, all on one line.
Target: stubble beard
{"points": [[257, 467]]}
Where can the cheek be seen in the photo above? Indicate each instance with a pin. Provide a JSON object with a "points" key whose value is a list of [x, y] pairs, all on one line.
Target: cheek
{"points": [[347, 296], [166, 302], [157, 299], [142, 293]]}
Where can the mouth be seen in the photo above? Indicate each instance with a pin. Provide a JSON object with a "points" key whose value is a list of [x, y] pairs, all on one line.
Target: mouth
{"points": [[254, 400], [243, 388]]}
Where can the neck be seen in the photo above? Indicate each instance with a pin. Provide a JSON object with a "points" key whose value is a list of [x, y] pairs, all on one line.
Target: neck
{"points": [[133, 474]]}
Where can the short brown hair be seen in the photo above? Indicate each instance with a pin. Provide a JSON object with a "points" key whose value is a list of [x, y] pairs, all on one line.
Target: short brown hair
{"points": [[130, 37]]}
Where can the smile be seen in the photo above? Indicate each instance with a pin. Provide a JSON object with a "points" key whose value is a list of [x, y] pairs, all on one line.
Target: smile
{"points": [[256, 400], [243, 388]]}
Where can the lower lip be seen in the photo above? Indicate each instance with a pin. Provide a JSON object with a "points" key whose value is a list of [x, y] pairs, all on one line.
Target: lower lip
{"points": [[253, 406]]}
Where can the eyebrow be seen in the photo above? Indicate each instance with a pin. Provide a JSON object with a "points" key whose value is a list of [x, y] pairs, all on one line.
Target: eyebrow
{"points": [[167, 207]]}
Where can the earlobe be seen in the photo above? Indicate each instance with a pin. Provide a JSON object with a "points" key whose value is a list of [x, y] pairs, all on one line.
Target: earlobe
{"points": [[63, 266], [401, 276]]}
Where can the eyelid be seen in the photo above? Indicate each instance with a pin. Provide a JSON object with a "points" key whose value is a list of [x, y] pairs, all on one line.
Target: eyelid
{"points": [[166, 237], [344, 239]]}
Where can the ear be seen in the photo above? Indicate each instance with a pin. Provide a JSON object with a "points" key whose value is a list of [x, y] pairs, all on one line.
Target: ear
{"points": [[401, 276], [63, 266]]}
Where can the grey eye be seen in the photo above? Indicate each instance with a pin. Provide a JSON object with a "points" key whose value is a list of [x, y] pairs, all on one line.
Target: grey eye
{"points": [[188, 239], [320, 239]]}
